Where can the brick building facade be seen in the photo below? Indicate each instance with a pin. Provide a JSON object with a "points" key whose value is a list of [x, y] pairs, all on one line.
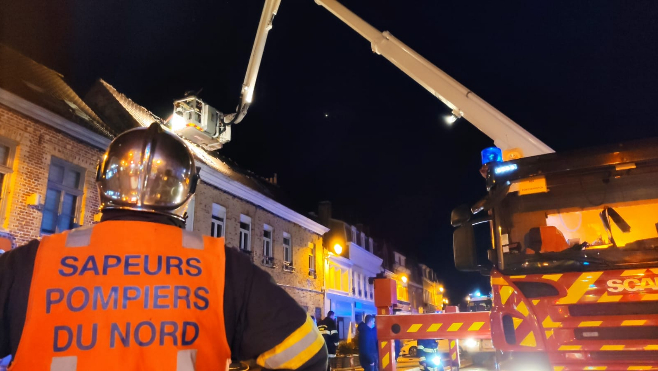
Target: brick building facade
{"points": [[33, 146], [303, 282]]}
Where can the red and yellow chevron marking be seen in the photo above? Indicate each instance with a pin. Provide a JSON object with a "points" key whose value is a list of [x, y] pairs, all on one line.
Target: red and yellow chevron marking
{"points": [[434, 326], [505, 293], [579, 287], [385, 350], [529, 340], [453, 347]]}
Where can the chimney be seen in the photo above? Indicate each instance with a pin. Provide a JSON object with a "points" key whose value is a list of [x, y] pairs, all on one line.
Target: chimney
{"points": [[324, 212]]}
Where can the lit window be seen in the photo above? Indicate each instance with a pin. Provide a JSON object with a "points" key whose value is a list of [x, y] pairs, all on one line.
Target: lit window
{"points": [[245, 233], [62, 205], [7, 150], [311, 260], [217, 222]]}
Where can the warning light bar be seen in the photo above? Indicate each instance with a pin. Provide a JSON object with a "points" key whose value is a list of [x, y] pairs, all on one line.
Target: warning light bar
{"points": [[505, 168], [491, 154]]}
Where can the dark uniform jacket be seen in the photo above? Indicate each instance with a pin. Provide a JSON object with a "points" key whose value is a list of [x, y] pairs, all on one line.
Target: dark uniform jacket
{"points": [[367, 344], [328, 330], [258, 314]]}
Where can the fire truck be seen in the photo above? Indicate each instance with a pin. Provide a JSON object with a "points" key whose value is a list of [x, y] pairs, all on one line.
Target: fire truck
{"points": [[573, 259]]}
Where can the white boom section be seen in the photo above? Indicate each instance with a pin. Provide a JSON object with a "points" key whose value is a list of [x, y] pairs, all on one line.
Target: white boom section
{"points": [[270, 9], [505, 133]]}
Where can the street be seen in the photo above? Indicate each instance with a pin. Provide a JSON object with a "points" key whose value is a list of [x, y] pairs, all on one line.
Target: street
{"points": [[410, 363]]}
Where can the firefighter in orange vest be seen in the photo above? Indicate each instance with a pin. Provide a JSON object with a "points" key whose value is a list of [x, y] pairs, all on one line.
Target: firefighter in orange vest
{"points": [[140, 292]]}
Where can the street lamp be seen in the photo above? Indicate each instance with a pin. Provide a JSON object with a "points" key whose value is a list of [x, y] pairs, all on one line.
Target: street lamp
{"points": [[441, 288], [404, 279], [338, 249]]}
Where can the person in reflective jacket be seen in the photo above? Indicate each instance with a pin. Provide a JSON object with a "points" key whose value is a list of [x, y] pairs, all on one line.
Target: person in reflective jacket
{"points": [[427, 350], [327, 328], [140, 292]]}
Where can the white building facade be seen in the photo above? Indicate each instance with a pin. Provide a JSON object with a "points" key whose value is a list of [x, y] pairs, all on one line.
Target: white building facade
{"points": [[349, 290]]}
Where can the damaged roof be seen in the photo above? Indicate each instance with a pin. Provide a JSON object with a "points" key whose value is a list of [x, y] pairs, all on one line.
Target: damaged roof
{"points": [[40, 85]]}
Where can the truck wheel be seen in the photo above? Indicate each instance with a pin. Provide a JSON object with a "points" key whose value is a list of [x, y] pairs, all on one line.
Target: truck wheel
{"points": [[413, 351]]}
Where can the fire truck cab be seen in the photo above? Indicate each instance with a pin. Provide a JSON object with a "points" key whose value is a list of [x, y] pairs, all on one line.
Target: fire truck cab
{"points": [[573, 258]]}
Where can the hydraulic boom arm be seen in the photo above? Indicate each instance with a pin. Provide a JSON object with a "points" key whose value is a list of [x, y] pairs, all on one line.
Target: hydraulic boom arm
{"points": [[505, 133], [246, 95]]}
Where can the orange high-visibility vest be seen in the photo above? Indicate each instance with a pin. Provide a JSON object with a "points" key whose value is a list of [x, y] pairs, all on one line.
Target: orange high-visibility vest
{"points": [[126, 295]]}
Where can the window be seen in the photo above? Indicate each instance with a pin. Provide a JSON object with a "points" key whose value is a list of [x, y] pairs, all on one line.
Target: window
{"points": [[287, 252], [267, 241], [360, 285], [62, 206], [7, 150], [371, 246], [363, 240], [318, 313], [218, 219], [354, 235], [311, 261], [348, 233], [245, 233], [399, 260]]}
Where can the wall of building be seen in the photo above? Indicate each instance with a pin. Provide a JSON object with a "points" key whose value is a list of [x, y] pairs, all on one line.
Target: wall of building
{"points": [[306, 289], [37, 144]]}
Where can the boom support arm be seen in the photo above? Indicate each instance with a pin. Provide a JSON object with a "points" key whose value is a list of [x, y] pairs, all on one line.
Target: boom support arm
{"points": [[505, 133], [270, 9]]}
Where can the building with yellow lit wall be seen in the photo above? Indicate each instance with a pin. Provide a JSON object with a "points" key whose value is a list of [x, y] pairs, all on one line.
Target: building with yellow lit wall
{"points": [[434, 293], [350, 264]]}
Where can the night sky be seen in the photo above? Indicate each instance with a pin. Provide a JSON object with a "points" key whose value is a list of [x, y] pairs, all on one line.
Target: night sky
{"points": [[574, 73]]}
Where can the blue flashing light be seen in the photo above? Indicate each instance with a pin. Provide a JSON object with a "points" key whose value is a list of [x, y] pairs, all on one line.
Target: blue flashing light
{"points": [[505, 168], [436, 360], [585, 263], [491, 154], [477, 294]]}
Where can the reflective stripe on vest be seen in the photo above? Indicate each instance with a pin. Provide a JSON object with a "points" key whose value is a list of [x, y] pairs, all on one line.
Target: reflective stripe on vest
{"points": [[295, 350], [127, 296]]}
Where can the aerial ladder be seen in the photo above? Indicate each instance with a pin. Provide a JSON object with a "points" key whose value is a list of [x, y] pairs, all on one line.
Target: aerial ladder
{"points": [[209, 128]]}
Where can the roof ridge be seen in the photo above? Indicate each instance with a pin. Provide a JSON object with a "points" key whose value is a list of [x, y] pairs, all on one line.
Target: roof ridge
{"points": [[129, 101], [31, 60]]}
